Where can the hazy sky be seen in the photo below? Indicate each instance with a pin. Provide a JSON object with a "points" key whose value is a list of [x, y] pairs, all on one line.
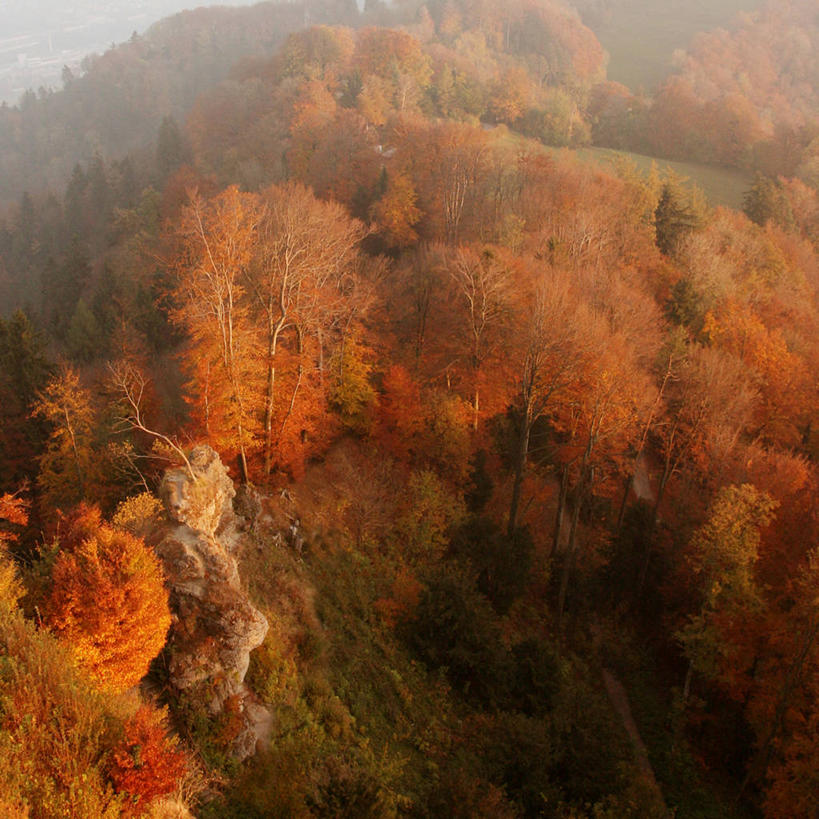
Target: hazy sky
{"points": [[17, 15], [39, 37]]}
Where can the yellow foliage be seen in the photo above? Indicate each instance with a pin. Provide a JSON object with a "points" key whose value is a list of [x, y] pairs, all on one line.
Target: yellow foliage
{"points": [[133, 514], [54, 730]]}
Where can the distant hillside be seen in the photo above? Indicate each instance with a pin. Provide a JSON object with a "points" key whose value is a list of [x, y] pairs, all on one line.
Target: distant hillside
{"points": [[119, 103], [642, 35], [38, 38]]}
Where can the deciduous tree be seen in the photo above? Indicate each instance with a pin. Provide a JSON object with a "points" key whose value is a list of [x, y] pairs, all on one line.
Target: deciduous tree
{"points": [[68, 464], [147, 762], [108, 600], [217, 243]]}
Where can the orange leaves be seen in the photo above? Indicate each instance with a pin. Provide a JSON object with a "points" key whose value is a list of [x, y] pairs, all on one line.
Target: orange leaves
{"points": [[481, 302], [13, 510], [787, 391], [400, 411], [316, 51], [147, 762], [743, 96], [216, 247], [392, 55], [403, 600], [266, 282], [794, 775], [511, 95], [395, 212], [108, 601]]}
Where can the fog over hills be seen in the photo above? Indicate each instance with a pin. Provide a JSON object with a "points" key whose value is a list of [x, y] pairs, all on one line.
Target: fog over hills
{"points": [[664, 25], [39, 37]]}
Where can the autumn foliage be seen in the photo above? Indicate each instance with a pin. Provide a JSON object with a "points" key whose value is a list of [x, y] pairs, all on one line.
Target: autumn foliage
{"points": [[489, 391], [13, 514], [108, 601], [147, 762]]}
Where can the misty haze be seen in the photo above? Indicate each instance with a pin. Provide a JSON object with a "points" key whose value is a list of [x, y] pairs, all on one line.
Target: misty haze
{"points": [[409, 409], [39, 37]]}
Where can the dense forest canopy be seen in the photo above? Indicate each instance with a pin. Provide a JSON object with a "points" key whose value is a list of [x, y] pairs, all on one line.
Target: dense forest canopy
{"points": [[523, 447]]}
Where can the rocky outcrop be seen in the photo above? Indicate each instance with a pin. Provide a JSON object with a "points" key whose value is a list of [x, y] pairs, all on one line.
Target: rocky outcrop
{"points": [[215, 626]]}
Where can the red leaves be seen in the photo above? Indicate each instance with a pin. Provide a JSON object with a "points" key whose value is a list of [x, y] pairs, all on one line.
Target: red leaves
{"points": [[147, 763]]}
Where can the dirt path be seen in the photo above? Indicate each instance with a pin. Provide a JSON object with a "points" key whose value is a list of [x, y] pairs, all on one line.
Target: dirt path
{"points": [[619, 699]]}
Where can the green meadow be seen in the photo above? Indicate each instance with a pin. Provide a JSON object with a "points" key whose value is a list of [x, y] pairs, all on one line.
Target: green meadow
{"points": [[721, 186]]}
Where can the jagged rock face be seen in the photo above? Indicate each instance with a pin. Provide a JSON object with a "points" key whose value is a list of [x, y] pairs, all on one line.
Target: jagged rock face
{"points": [[215, 625], [205, 504]]}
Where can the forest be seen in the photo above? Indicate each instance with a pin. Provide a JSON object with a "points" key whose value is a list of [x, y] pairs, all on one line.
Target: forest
{"points": [[367, 452]]}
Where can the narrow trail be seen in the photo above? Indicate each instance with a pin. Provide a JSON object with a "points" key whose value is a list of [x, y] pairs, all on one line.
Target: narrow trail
{"points": [[619, 700]]}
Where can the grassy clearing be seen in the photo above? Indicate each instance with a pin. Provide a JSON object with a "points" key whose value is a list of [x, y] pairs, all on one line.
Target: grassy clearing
{"points": [[721, 186]]}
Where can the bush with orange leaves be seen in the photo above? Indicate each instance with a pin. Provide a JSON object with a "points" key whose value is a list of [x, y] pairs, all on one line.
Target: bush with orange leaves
{"points": [[108, 600], [13, 513], [148, 762]]}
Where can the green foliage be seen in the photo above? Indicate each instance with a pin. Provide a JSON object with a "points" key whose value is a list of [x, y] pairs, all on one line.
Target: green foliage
{"points": [[63, 289], [84, 336], [211, 735], [460, 794], [629, 550], [171, 151], [521, 755], [556, 122], [686, 306], [502, 563], [444, 438], [589, 739], [137, 513], [536, 679], [24, 371], [455, 628], [687, 786], [722, 555], [760, 201], [679, 212], [68, 464]]}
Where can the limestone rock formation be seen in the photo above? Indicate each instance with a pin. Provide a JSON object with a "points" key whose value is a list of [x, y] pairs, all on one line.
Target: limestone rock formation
{"points": [[215, 625]]}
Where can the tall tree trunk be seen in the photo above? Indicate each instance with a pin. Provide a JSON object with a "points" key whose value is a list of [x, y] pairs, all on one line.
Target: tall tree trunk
{"points": [[520, 468], [300, 341], [268, 413], [687, 684], [274, 331], [642, 444], [561, 509], [78, 468], [622, 513], [571, 552]]}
